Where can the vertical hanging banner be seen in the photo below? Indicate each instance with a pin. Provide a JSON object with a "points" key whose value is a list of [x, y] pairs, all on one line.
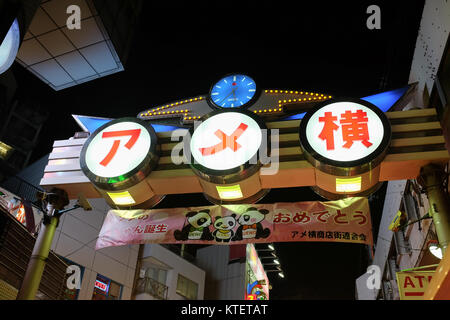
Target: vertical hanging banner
{"points": [[257, 286], [346, 220]]}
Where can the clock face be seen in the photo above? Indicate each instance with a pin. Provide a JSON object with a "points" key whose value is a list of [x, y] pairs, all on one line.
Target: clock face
{"points": [[233, 91]]}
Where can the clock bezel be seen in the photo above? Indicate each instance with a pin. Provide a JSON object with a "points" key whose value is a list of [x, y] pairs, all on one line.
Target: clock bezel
{"points": [[245, 106]]}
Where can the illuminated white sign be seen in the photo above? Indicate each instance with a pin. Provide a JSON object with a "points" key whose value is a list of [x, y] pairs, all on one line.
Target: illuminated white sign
{"points": [[9, 47], [344, 131], [225, 141], [118, 149]]}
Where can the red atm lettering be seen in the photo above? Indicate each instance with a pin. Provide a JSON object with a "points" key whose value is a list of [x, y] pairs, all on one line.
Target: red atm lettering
{"points": [[135, 133], [227, 141]]}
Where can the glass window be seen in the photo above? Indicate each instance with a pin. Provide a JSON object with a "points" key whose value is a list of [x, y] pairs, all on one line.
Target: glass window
{"points": [[187, 288], [157, 274]]}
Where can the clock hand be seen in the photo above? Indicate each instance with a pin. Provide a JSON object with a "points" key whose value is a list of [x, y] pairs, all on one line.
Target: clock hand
{"points": [[232, 92]]}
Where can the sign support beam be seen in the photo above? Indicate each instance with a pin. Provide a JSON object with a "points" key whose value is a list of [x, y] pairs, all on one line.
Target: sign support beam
{"points": [[431, 179]]}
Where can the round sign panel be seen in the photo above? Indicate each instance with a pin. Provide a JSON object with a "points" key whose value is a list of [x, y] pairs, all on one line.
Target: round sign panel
{"points": [[119, 151], [344, 133], [227, 142], [9, 47]]}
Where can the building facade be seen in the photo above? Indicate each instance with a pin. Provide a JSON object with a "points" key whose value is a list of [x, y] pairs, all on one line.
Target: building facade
{"points": [[409, 246], [165, 275]]}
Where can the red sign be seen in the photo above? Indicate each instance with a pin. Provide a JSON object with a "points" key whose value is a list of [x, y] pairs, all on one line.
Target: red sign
{"points": [[354, 128], [225, 141], [113, 134], [100, 285]]}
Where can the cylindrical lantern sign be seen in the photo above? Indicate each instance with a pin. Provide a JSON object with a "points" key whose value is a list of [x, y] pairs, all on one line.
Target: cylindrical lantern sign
{"points": [[345, 140], [118, 157], [225, 149]]}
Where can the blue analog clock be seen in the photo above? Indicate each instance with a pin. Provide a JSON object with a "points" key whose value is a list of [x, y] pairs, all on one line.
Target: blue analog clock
{"points": [[233, 91]]}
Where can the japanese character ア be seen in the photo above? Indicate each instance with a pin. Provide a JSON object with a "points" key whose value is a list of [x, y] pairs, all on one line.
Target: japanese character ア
{"points": [[354, 128], [328, 128]]}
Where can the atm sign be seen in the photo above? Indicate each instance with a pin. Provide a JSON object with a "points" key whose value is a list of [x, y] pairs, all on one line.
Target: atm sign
{"points": [[412, 285]]}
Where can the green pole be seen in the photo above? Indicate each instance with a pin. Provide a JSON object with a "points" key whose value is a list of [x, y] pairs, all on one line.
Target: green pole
{"points": [[35, 269], [431, 178]]}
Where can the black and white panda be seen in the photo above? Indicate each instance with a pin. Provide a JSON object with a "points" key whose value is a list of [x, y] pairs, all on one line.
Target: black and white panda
{"points": [[224, 228], [197, 227], [250, 225]]}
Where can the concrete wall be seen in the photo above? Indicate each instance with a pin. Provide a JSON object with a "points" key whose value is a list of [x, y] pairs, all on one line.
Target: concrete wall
{"points": [[430, 45], [392, 202], [224, 281], [75, 239], [175, 265]]}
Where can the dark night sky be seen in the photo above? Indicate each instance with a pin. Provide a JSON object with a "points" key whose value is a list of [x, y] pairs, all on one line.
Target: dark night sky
{"points": [[179, 50]]}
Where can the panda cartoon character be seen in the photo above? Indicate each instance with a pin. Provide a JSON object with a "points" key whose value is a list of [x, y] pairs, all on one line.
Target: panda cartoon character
{"points": [[224, 228], [251, 226], [197, 227]]}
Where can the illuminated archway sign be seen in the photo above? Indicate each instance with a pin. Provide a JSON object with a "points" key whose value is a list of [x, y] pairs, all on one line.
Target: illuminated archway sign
{"points": [[9, 47], [225, 151], [118, 157], [346, 140]]}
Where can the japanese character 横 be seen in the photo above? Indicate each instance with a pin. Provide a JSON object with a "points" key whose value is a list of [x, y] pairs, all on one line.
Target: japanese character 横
{"points": [[328, 129], [354, 128]]}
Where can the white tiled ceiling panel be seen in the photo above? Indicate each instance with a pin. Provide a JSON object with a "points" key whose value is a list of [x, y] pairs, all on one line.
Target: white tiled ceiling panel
{"points": [[61, 57]]}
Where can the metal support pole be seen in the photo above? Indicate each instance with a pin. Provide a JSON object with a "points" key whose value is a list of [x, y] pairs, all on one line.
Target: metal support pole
{"points": [[431, 178], [35, 269]]}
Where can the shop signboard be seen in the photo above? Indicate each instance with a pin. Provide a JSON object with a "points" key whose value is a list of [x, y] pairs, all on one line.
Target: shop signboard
{"points": [[18, 208], [118, 157], [345, 133], [346, 220], [413, 284]]}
